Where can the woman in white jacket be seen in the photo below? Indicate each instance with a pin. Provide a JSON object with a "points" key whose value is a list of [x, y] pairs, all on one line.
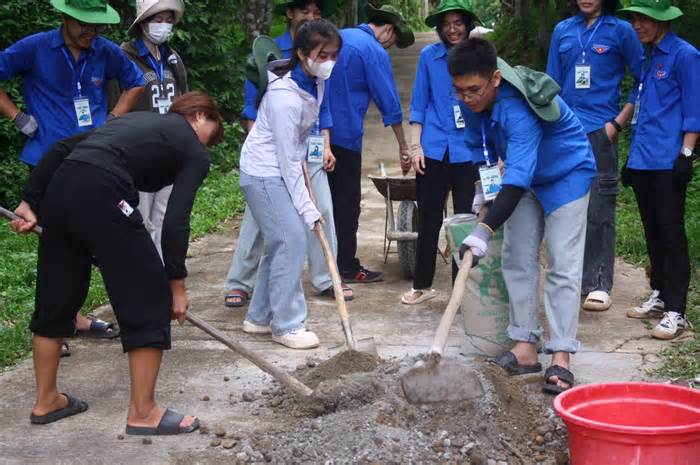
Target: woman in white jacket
{"points": [[272, 180]]}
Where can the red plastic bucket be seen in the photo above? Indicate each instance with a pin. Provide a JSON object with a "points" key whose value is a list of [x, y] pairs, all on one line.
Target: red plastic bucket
{"points": [[631, 424]]}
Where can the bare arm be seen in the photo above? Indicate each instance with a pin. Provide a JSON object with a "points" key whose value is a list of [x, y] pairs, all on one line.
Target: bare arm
{"points": [[7, 106], [404, 156], [690, 139], [127, 100], [621, 119], [328, 157], [417, 155]]}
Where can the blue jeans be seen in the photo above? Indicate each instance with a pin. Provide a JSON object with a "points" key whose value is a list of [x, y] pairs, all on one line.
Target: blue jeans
{"points": [[246, 257], [278, 300]]}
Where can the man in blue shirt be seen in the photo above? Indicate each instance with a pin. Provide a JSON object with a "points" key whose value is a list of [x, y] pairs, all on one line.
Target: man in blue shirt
{"points": [[244, 265], [587, 57], [363, 72], [516, 115], [64, 77], [660, 162]]}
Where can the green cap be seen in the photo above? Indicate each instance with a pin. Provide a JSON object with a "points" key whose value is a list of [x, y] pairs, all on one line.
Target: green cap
{"points": [[264, 51], [538, 88], [88, 11], [445, 6], [389, 14], [327, 7], [660, 10]]}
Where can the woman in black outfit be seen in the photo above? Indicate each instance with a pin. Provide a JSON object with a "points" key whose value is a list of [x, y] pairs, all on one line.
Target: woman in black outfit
{"points": [[85, 191]]}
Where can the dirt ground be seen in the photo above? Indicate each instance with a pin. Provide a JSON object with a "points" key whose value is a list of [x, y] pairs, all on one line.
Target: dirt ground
{"points": [[359, 414]]}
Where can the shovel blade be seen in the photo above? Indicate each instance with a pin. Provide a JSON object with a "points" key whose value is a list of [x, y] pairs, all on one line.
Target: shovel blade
{"points": [[442, 382], [366, 345]]}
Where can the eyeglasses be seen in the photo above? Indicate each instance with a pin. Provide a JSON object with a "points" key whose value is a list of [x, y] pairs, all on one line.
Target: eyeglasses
{"points": [[92, 28], [473, 94]]}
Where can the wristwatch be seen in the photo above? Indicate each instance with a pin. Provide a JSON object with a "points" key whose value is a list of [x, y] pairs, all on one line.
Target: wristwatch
{"points": [[687, 152]]}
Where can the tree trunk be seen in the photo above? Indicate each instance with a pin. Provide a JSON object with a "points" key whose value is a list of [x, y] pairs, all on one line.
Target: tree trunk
{"points": [[255, 17]]}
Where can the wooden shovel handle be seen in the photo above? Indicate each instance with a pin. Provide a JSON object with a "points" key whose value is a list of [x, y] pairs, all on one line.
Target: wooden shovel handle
{"points": [[11, 216]]}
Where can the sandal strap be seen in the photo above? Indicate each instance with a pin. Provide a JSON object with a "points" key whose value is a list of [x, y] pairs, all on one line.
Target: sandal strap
{"points": [[170, 422], [560, 372]]}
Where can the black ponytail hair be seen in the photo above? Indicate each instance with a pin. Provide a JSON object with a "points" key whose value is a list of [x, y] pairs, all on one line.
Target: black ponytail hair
{"points": [[311, 34], [468, 21]]}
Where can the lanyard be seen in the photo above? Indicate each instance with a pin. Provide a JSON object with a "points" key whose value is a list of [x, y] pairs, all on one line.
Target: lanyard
{"points": [[317, 127], [645, 70], [483, 141], [158, 65], [580, 42], [72, 68]]}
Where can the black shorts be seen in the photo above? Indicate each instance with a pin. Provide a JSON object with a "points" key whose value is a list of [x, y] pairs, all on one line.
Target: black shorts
{"points": [[82, 222]]}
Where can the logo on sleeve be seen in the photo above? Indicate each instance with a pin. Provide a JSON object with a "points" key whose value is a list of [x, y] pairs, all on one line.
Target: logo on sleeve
{"points": [[600, 49]]}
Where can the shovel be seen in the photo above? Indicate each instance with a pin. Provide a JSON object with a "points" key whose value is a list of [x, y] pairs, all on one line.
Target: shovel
{"points": [[363, 345], [285, 378], [435, 380]]}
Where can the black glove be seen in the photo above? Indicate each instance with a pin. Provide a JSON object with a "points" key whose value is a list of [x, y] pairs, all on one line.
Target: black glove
{"points": [[683, 169], [625, 177]]}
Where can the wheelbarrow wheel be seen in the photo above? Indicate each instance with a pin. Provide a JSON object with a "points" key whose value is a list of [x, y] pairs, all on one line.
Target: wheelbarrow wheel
{"points": [[407, 222]]}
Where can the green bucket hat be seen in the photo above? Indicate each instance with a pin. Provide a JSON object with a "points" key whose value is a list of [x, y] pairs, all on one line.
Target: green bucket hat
{"points": [[88, 11], [538, 88], [264, 51], [445, 6], [660, 10], [390, 15], [328, 7]]}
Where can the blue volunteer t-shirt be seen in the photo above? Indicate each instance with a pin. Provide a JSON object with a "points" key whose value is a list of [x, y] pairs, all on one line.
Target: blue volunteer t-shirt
{"points": [[250, 92], [669, 105], [363, 71], [553, 159], [433, 106], [49, 84], [609, 44]]}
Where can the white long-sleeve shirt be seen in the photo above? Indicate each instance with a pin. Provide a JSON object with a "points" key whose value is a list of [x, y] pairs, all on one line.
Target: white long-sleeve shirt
{"points": [[277, 144]]}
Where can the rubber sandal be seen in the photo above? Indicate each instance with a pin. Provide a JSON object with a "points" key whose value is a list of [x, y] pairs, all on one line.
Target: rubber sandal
{"points": [[508, 362], [330, 292], [74, 407], [169, 424], [425, 294], [560, 372], [236, 298], [597, 301], [65, 349], [99, 329]]}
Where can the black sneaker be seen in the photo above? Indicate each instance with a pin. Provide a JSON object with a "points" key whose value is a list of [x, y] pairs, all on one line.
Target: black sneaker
{"points": [[362, 275]]}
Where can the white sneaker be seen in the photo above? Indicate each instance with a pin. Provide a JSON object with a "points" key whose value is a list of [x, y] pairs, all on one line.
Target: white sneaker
{"points": [[671, 325], [653, 307], [299, 339], [252, 328]]}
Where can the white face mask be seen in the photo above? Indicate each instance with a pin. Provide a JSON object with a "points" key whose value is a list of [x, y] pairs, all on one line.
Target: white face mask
{"points": [[320, 70], [159, 33]]}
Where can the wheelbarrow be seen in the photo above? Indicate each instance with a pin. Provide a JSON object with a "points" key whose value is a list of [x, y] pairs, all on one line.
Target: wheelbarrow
{"points": [[404, 231]]}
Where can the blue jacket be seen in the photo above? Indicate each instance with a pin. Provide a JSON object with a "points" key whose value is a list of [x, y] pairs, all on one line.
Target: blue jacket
{"points": [[433, 104], [50, 84], [553, 159], [669, 104], [610, 44], [363, 71]]}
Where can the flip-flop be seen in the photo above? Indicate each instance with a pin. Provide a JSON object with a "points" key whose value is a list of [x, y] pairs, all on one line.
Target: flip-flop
{"points": [[330, 292], [236, 298], [508, 362], [560, 372], [169, 424], [597, 301], [65, 349], [99, 329], [74, 407], [425, 294]]}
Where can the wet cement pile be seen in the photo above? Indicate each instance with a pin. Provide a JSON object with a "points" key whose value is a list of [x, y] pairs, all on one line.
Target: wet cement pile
{"points": [[358, 414]]}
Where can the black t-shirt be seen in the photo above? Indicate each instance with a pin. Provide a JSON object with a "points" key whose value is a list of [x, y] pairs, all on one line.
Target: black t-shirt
{"points": [[149, 151]]}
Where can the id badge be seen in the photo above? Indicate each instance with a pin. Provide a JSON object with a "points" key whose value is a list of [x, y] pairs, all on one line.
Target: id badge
{"points": [[314, 153], [82, 112], [163, 105], [459, 119], [490, 181], [583, 76], [635, 115]]}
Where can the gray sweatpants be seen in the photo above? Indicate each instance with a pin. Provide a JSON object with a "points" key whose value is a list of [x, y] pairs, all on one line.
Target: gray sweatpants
{"points": [[564, 231]]}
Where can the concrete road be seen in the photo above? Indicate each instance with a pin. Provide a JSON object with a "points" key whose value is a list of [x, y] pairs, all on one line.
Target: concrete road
{"points": [[614, 347]]}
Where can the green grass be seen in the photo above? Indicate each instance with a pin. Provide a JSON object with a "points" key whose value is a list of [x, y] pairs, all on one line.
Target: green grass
{"points": [[679, 360], [219, 198]]}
